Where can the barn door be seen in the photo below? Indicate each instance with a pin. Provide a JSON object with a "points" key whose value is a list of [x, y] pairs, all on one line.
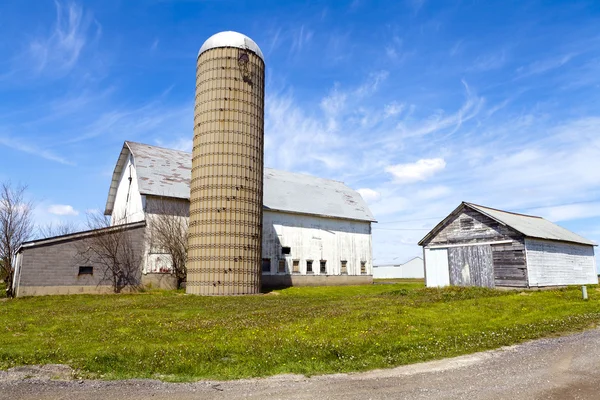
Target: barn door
{"points": [[436, 263], [471, 266]]}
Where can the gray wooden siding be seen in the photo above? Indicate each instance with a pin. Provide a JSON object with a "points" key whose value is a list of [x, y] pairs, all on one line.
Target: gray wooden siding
{"points": [[510, 265], [471, 266], [470, 226]]}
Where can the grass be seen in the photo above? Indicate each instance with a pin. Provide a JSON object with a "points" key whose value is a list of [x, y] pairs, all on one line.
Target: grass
{"points": [[174, 337]]}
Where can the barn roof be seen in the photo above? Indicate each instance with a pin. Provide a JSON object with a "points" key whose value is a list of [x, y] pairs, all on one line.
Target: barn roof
{"points": [[167, 173], [529, 225]]}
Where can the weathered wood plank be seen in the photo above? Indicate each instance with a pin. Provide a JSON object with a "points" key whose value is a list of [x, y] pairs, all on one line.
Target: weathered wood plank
{"points": [[471, 266]]}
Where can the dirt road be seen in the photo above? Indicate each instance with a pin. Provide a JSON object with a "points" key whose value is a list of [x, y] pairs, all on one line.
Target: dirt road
{"points": [[557, 368]]}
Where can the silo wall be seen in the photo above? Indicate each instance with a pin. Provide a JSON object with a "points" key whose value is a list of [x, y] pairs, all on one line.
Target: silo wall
{"points": [[226, 199]]}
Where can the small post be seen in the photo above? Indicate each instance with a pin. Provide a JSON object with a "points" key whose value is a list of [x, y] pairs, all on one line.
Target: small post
{"points": [[584, 292]]}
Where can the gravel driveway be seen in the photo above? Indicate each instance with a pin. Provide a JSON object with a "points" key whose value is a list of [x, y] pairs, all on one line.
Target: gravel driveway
{"points": [[557, 368]]}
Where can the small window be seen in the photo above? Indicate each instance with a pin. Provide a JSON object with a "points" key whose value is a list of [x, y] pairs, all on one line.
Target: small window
{"points": [[309, 267], [363, 267], [286, 250], [344, 268], [86, 270], [266, 265], [323, 266], [296, 267], [281, 268]]}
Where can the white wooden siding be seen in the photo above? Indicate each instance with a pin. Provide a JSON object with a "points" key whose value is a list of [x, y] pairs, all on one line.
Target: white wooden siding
{"points": [[129, 203], [316, 238], [552, 263], [412, 269], [436, 262]]}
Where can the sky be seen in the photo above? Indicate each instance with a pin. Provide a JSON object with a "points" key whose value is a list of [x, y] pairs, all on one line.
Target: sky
{"points": [[417, 104]]}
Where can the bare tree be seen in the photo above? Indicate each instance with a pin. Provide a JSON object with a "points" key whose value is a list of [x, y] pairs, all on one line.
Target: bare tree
{"points": [[59, 229], [16, 227], [168, 224], [114, 249]]}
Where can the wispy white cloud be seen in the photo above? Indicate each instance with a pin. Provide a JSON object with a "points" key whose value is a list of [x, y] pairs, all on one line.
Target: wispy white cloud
{"points": [[417, 171], [300, 39], [369, 195], [59, 52], [23, 145], [489, 62], [541, 66], [63, 210]]}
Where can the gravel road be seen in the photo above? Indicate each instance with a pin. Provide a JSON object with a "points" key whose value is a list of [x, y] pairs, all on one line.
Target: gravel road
{"points": [[556, 368]]}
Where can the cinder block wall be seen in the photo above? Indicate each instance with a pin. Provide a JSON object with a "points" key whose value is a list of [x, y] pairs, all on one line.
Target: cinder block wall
{"points": [[54, 268]]}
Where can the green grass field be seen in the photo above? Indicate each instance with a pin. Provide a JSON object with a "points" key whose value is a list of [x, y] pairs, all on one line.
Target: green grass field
{"points": [[175, 337]]}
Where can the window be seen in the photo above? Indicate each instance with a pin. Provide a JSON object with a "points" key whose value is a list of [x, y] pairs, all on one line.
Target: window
{"points": [[363, 267], [281, 268], [344, 269], [309, 267], [266, 265], [296, 267], [323, 266], [86, 271], [286, 250]]}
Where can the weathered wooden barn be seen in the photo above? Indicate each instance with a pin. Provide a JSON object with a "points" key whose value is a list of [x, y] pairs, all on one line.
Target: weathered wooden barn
{"points": [[482, 246]]}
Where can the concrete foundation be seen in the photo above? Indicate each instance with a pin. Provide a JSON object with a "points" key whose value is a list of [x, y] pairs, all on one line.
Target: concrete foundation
{"points": [[273, 281]]}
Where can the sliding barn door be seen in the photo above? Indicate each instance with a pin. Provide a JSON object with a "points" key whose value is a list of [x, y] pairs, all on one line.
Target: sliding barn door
{"points": [[471, 266]]}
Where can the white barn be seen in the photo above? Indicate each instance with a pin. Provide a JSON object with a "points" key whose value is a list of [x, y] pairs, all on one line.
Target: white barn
{"points": [[315, 231], [412, 269], [482, 246]]}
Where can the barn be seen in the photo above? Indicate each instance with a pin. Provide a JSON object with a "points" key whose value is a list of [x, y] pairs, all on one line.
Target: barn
{"points": [[482, 246], [315, 231], [411, 269]]}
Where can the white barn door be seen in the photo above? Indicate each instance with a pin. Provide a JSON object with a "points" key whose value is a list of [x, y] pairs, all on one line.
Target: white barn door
{"points": [[436, 268]]}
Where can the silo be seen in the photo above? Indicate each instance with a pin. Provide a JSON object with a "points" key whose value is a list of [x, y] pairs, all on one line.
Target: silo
{"points": [[226, 199]]}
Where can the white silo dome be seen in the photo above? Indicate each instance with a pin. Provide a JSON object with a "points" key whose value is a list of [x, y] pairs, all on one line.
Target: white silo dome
{"points": [[231, 39]]}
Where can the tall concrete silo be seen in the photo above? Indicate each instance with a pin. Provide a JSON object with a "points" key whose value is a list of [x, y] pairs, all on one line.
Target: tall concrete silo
{"points": [[226, 199]]}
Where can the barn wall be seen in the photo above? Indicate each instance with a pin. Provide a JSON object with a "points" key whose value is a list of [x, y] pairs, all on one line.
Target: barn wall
{"points": [[510, 266], [412, 269], [129, 203], [551, 263], [469, 227], [54, 268], [316, 238]]}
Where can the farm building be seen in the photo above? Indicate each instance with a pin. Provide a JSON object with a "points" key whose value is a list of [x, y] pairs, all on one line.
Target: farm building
{"points": [[482, 246], [315, 231], [413, 269]]}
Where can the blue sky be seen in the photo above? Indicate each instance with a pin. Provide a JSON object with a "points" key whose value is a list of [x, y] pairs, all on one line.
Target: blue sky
{"points": [[419, 104]]}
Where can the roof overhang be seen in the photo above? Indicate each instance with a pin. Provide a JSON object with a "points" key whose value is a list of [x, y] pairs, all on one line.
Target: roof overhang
{"points": [[116, 178]]}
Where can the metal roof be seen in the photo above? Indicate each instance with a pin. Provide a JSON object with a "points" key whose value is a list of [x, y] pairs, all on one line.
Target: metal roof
{"points": [[167, 172], [528, 225], [231, 39], [531, 226]]}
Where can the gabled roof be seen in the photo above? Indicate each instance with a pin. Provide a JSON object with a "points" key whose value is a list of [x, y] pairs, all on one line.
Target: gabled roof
{"points": [[528, 225], [167, 173]]}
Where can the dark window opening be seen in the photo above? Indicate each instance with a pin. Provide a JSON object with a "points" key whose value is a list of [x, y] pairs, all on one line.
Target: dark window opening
{"points": [[281, 268], [309, 267], [286, 250], [296, 267], [323, 266], [363, 267], [266, 265], [344, 268], [86, 270]]}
